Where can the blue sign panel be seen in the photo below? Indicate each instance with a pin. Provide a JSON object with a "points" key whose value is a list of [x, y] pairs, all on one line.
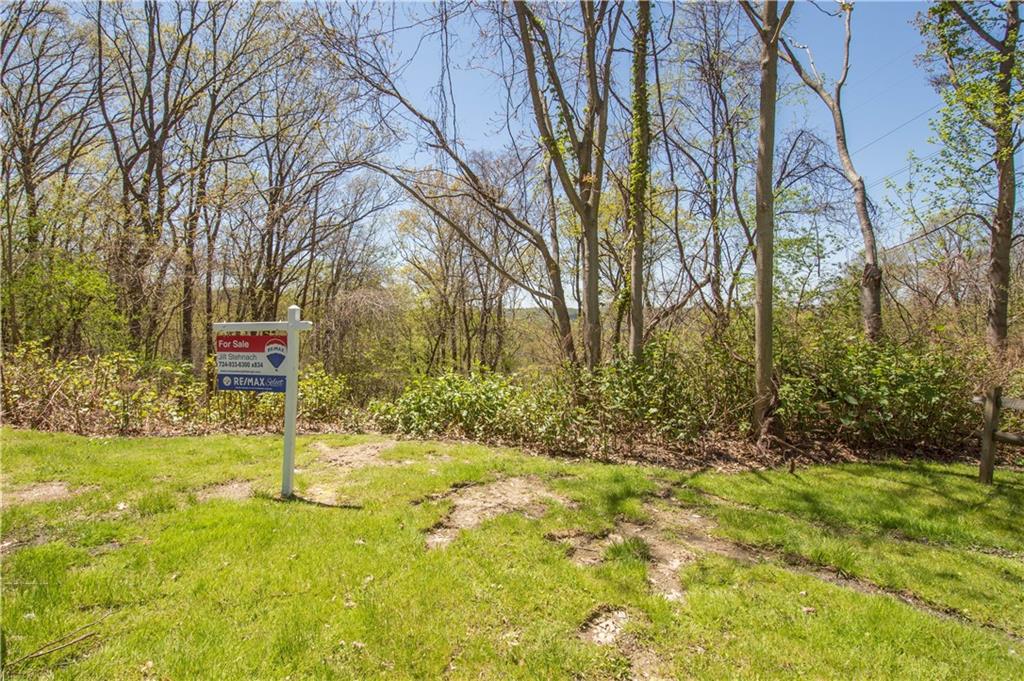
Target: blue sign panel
{"points": [[251, 382]]}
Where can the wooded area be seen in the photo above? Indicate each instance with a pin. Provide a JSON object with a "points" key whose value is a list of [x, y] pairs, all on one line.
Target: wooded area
{"points": [[644, 254]]}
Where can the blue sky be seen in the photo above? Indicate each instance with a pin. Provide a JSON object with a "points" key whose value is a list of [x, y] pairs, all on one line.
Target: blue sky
{"points": [[887, 94]]}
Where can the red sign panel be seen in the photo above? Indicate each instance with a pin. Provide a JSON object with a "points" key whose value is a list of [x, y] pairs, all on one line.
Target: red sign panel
{"points": [[248, 343]]}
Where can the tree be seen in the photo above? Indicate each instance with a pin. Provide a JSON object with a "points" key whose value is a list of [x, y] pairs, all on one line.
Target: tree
{"points": [[148, 81], [706, 116], [579, 158], [49, 98], [768, 27], [639, 170], [296, 204], [871, 278], [238, 55], [506, 186], [464, 303], [977, 45]]}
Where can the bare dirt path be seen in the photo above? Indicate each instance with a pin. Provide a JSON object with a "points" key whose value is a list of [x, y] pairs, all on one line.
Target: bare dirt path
{"points": [[607, 627], [475, 504], [676, 535], [356, 456], [55, 490]]}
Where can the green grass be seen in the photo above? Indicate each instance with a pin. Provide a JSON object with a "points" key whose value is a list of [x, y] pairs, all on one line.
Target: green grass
{"points": [[933, 502], [927, 529], [174, 587]]}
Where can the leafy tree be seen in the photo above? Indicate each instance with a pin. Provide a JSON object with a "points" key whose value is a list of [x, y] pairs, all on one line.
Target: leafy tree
{"points": [[67, 303], [975, 49]]}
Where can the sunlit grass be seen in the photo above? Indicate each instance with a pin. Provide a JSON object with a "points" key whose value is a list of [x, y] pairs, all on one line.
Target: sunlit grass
{"points": [[174, 587], [926, 529]]}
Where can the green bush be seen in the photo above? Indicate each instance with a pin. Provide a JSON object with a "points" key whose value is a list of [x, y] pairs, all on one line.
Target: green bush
{"points": [[675, 394], [663, 398], [120, 393], [323, 397], [841, 389], [832, 387], [67, 303], [881, 394], [452, 404]]}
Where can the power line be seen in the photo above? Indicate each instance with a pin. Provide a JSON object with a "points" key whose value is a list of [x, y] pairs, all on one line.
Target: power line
{"points": [[868, 76], [902, 170], [898, 127], [872, 98]]}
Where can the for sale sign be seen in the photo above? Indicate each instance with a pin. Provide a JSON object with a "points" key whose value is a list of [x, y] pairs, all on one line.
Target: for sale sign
{"points": [[262, 364], [252, 362]]}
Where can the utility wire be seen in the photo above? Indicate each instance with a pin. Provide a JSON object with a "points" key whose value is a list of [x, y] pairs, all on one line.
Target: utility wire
{"points": [[872, 98], [877, 69], [898, 127], [902, 170]]}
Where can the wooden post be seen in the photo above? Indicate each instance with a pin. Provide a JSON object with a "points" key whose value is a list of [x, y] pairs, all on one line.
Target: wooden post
{"points": [[993, 397]]}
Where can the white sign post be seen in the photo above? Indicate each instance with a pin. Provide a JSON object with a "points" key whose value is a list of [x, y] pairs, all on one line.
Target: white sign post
{"points": [[265, 364]]}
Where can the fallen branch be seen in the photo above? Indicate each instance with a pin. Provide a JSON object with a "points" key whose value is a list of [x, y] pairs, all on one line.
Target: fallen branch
{"points": [[52, 646]]}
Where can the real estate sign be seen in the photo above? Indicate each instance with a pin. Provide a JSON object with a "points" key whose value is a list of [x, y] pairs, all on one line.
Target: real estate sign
{"points": [[267, 364], [254, 363]]}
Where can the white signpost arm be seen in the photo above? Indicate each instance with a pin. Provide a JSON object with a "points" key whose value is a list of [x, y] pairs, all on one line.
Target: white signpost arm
{"points": [[291, 400]]}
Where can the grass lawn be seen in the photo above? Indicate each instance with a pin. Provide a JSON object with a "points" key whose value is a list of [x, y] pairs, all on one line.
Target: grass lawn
{"points": [[171, 558]]}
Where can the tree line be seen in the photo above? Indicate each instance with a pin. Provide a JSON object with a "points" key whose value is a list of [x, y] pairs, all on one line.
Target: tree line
{"points": [[167, 165]]}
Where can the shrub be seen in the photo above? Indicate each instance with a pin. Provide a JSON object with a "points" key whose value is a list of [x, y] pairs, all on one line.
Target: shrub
{"points": [[452, 404], [675, 394], [663, 398], [119, 393], [843, 389], [877, 394], [66, 303]]}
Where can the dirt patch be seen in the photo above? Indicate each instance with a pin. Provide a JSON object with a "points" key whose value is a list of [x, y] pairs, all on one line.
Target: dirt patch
{"points": [[234, 490], [674, 537], [665, 560], [644, 665], [103, 549], [694, 530], [479, 503], [326, 495], [321, 494], [9, 546], [666, 556], [55, 490], [584, 549], [356, 456], [606, 627]]}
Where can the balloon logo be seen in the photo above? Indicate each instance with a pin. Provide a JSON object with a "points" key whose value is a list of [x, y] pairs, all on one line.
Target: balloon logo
{"points": [[276, 351]]}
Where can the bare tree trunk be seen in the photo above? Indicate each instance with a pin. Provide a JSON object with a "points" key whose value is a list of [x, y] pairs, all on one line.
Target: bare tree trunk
{"points": [[638, 178], [212, 230], [190, 276], [8, 313], [582, 183], [768, 26], [871, 278], [591, 295]]}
